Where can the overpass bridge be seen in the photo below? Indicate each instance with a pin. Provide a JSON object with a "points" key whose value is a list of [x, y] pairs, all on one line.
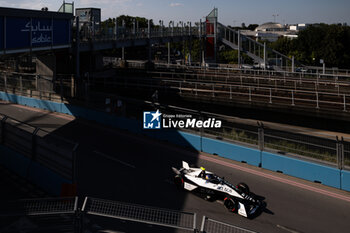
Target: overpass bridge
{"points": [[37, 32]]}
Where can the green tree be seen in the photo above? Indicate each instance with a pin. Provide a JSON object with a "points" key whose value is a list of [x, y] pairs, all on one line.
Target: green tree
{"points": [[327, 42]]}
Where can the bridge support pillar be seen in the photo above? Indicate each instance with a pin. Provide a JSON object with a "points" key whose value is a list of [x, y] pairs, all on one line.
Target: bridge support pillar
{"points": [[264, 55], [239, 49], [46, 65], [168, 53]]}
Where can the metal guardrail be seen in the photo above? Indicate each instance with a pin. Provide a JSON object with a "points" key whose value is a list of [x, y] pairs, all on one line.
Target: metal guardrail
{"points": [[64, 215], [44, 206], [214, 226], [221, 92], [139, 213]]}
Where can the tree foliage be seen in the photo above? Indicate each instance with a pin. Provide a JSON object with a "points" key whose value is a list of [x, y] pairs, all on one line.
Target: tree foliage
{"points": [[328, 42], [143, 22]]}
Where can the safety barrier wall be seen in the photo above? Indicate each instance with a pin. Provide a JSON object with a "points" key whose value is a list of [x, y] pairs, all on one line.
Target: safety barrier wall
{"points": [[302, 169], [231, 151], [345, 180], [37, 174], [294, 167]]}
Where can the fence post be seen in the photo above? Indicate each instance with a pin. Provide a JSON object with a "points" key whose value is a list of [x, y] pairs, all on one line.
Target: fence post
{"points": [[293, 104], [74, 163], [201, 131], [36, 83], [340, 152], [72, 88], [2, 130], [203, 223], [250, 94], [5, 82], [261, 141], [270, 96], [61, 88], [317, 104], [344, 103], [20, 84], [34, 143]]}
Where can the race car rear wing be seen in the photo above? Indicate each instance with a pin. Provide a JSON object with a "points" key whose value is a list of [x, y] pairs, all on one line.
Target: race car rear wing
{"points": [[185, 165]]}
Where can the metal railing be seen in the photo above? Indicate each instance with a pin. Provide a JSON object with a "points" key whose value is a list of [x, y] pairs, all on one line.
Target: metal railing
{"points": [[65, 215], [139, 213], [307, 100], [39, 215], [43, 206], [42, 87], [213, 226], [123, 33]]}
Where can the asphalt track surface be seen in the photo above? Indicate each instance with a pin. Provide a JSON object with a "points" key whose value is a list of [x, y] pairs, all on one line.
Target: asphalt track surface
{"points": [[118, 165]]}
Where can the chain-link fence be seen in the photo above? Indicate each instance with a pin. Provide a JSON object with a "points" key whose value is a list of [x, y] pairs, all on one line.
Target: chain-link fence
{"points": [[139, 213], [66, 215], [39, 206], [39, 215], [52, 151], [214, 226]]}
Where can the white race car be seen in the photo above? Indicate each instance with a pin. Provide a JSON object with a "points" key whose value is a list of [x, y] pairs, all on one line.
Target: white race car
{"points": [[212, 187]]}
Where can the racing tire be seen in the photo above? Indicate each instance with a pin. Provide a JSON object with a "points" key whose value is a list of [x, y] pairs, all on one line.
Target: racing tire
{"points": [[179, 182], [243, 187], [230, 204]]}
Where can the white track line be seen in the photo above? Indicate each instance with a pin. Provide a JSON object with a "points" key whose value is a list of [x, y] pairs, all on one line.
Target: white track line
{"points": [[114, 159]]}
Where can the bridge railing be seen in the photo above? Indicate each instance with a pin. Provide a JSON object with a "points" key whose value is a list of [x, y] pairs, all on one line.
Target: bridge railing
{"points": [[262, 54], [227, 69], [110, 33]]}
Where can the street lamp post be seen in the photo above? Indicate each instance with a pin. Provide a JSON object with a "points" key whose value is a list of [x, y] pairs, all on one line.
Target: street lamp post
{"points": [[274, 17]]}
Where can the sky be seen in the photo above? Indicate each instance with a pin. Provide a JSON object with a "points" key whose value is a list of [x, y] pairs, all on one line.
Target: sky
{"points": [[231, 12]]}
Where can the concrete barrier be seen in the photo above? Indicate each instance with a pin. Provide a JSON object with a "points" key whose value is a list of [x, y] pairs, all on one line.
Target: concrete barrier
{"points": [[302, 169], [345, 180], [231, 151]]}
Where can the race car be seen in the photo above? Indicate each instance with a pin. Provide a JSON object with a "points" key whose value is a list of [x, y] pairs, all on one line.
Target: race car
{"points": [[237, 199]]}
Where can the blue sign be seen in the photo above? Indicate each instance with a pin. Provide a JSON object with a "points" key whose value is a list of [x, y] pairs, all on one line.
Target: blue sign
{"points": [[152, 120], [1, 33], [17, 35], [35, 32], [61, 32], [42, 32]]}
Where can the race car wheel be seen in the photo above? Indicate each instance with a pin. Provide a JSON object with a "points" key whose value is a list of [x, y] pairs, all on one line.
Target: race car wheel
{"points": [[179, 182], [230, 204], [243, 187]]}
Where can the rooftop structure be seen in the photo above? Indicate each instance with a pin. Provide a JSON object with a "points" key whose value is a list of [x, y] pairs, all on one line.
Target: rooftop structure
{"points": [[268, 27]]}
